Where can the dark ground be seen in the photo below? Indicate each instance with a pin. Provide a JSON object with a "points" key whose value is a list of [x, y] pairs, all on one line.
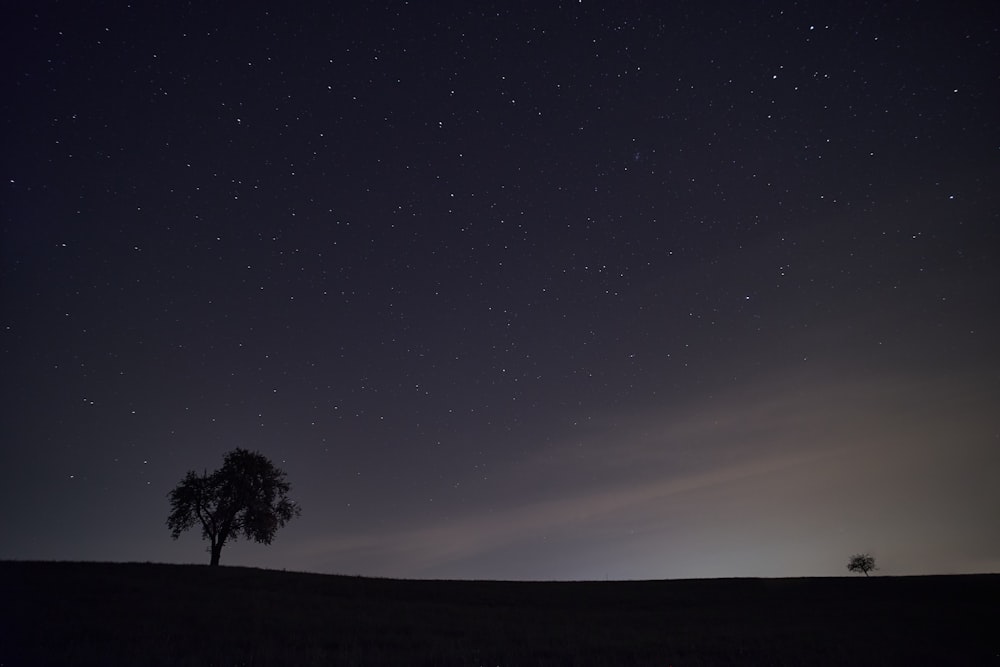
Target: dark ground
{"points": [[148, 614]]}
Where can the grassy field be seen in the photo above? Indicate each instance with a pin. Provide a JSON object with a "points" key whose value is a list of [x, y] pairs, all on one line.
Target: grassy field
{"points": [[147, 614]]}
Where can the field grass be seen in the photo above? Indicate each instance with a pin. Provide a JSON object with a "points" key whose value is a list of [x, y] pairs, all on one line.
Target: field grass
{"points": [[148, 614]]}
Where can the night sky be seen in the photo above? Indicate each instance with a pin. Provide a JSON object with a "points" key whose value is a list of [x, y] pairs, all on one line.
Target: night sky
{"points": [[568, 290]]}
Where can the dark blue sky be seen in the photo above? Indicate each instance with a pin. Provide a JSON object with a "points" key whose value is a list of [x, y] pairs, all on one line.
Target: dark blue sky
{"points": [[546, 290]]}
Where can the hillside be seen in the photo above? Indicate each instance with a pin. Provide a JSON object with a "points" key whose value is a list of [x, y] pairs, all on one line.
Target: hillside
{"points": [[149, 614]]}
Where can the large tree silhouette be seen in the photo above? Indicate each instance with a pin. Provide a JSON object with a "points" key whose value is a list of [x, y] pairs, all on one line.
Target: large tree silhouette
{"points": [[247, 496]]}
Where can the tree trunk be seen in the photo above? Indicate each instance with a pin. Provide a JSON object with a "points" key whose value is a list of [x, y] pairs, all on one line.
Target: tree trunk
{"points": [[216, 552]]}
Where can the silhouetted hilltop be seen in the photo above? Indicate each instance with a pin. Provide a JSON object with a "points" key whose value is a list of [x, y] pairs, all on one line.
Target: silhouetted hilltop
{"points": [[150, 614]]}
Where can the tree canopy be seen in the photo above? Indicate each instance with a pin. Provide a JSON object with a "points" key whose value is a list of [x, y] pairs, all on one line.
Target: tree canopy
{"points": [[864, 563], [247, 496]]}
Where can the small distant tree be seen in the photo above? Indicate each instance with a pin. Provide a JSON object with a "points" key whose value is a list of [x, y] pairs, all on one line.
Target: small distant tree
{"points": [[864, 563], [247, 496]]}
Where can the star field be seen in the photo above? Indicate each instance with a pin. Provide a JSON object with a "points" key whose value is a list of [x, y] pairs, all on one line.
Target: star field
{"points": [[544, 291]]}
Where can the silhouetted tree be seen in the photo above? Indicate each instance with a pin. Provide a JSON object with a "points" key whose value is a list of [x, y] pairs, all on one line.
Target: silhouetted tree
{"points": [[861, 563], [248, 495]]}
